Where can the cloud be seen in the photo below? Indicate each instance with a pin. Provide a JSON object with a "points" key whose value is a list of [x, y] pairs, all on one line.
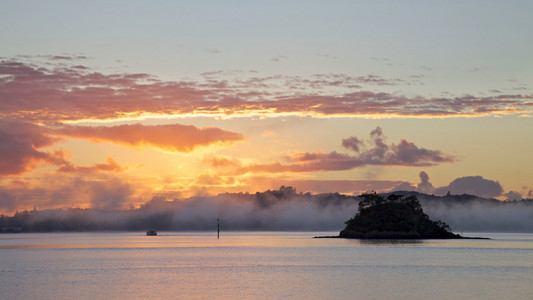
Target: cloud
{"points": [[425, 186], [472, 185], [20, 145], [60, 93], [110, 195], [407, 152], [172, 137], [64, 190], [278, 58], [373, 152], [212, 50], [352, 143], [328, 56], [21, 151], [513, 195], [354, 187], [403, 186], [214, 180], [267, 133], [222, 162], [109, 166]]}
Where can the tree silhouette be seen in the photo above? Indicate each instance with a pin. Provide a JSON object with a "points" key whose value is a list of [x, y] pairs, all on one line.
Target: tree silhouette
{"points": [[394, 217]]}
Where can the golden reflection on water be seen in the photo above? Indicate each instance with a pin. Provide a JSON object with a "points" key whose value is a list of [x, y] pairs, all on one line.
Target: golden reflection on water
{"points": [[140, 240], [235, 239], [264, 265]]}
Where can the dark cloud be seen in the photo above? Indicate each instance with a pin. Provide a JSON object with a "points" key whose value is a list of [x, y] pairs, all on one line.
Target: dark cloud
{"points": [[354, 187], [352, 143], [425, 186], [375, 152], [403, 186], [513, 195], [20, 148], [475, 185], [472, 185], [408, 152]]}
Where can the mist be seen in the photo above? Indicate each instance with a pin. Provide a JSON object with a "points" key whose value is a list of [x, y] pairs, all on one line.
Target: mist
{"points": [[278, 210], [471, 213]]}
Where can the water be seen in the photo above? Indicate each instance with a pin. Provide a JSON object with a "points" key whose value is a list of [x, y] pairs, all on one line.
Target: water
{"points": [[265, 265]]}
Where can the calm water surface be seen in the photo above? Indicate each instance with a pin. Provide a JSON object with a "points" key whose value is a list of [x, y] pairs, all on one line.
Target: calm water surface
{"points": [[266, 265]]}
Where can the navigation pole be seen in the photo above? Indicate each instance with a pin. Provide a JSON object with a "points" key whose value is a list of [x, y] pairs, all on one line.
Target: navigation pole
{"points": [[218, 228]]}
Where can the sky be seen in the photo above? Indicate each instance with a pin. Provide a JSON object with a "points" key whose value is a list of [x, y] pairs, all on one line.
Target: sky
{"points": [[106, 104]]}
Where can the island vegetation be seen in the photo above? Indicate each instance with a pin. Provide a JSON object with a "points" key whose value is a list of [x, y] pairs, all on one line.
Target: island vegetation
{"points": [[394, 217]]}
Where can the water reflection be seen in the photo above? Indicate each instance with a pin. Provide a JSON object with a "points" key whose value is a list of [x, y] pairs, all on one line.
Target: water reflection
{"points": [[385, 242], [264, 265]]}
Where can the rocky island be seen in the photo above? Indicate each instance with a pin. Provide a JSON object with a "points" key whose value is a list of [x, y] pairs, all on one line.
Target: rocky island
{"points": [[394, 217]]}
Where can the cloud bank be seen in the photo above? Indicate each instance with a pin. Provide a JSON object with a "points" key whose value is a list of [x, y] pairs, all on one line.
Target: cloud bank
{"points": [[173, 137], [22, 144], [471, 185], [52, 93]]}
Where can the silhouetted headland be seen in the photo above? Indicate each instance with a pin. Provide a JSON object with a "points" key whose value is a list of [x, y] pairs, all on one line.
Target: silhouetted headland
{"points": [[394, 217]]}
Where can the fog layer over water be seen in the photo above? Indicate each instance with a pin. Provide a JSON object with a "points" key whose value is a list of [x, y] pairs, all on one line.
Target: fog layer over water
{"points": [[282, 209]]}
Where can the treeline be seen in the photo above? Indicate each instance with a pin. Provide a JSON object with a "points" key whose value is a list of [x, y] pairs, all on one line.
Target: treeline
{"points": [[282, 209]]}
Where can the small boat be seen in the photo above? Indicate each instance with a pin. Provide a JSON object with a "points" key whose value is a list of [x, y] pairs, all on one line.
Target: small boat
{"points": [[151, 232]]}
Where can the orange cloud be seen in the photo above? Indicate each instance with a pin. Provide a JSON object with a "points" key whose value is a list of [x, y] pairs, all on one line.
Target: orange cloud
{"points": [[214, 180], [22, 143], [109, 166], [268, 133], [172, 137]]}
